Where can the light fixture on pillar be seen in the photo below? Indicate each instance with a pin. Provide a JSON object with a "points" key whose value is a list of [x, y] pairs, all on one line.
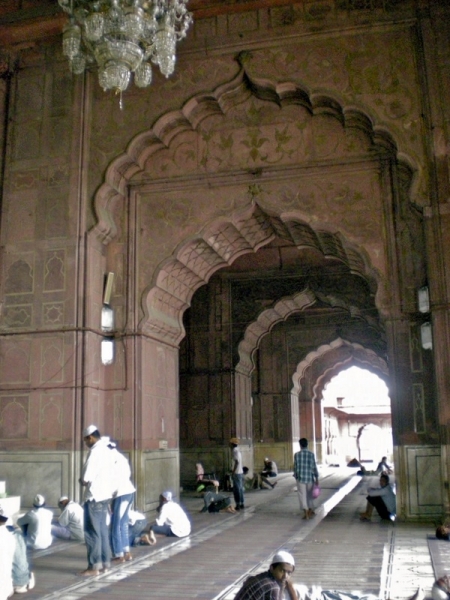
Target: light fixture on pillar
{"points": [[107, 351], [423, 299], [122, 37], [426, 336], [423, 304]]}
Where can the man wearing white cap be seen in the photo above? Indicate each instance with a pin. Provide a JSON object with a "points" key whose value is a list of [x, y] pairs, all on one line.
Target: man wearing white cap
{"points": [[273, 584], [70, 523], [98, 480], [172, 520], [36, 525]]}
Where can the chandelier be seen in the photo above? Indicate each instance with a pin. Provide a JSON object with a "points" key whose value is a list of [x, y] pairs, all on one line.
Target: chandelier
{"points": [[123, 37]]}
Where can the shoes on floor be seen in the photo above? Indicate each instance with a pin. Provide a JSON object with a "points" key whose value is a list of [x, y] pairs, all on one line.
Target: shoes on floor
{"points": [[21, 589], [128, 556], [364, 517], [242, 507], [32, 581], [237, 507], [274, 484]]}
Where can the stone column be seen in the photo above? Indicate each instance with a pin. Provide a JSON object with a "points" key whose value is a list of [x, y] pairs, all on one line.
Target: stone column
{"points": [[436, 72]]}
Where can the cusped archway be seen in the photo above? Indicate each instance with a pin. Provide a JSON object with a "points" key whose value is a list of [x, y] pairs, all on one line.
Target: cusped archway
{"points": [[220, 243], [319, 367]]}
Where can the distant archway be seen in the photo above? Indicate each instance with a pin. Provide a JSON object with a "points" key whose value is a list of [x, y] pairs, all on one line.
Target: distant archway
{"points": [[341, 354]]}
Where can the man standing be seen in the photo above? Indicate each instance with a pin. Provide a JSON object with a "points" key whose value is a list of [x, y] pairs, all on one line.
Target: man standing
{"points": [[121, 506], [237, 474], [70, 525], [7, 548], [98, 480], [306, 474]]}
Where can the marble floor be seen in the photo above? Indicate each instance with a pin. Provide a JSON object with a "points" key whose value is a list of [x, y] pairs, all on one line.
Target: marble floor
{"points": [[334, 550]]}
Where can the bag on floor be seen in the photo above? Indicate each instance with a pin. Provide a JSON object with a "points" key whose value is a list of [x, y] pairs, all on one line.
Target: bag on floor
{"points": [[219, 505]]}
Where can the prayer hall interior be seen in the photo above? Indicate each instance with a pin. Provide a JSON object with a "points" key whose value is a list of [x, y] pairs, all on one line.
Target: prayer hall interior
{"points": [[196, 260]]}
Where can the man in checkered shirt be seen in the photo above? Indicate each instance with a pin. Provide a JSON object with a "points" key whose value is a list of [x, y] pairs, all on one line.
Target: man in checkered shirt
{"points": [[306, 475], [273, 584]]}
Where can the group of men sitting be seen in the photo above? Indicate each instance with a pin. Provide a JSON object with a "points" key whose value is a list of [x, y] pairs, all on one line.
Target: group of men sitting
{"points": [[106, 522], [215, 501], [35, 530]]}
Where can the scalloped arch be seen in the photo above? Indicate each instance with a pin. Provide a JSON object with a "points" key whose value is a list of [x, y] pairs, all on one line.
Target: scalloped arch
{"points": [[281, 311], [141, 148], [218, 246], [343, 354]]}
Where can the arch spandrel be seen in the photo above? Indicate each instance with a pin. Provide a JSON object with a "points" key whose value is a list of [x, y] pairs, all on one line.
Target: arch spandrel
{"points": [[134, 164]]}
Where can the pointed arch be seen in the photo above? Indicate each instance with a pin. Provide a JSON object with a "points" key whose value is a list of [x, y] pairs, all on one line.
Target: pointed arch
{"points": [[328, 360], [219, 245], [280, 312]]}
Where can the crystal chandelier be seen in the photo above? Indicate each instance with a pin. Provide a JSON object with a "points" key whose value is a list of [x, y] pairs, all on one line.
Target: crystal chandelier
{"points": [[123, 37]]}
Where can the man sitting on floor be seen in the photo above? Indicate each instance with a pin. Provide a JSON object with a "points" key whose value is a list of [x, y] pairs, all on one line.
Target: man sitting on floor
{"points": [[172, 520], [216, 502], [270, 471], [70, 523], [36, 525], [137, 522], [276, 584], [272, 584], [382, 499]]}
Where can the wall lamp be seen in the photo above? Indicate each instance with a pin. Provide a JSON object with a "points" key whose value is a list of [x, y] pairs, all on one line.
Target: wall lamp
{"points": [[426, 334], [107, 350]]}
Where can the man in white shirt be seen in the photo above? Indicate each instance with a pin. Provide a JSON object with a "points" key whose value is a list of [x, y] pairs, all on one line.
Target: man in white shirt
{"points": [[172, 520], [121, 505], [7, 548], [36, 525], [98, 480], [237, 473], [137, 522], [70, 523]]}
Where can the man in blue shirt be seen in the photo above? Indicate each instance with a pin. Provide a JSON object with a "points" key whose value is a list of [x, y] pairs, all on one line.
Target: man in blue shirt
{"points": [[306, 475]]}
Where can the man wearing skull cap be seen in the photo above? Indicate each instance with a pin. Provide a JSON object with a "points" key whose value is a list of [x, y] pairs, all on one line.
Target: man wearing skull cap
{"points": [[271, 584], [98, 480]]}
